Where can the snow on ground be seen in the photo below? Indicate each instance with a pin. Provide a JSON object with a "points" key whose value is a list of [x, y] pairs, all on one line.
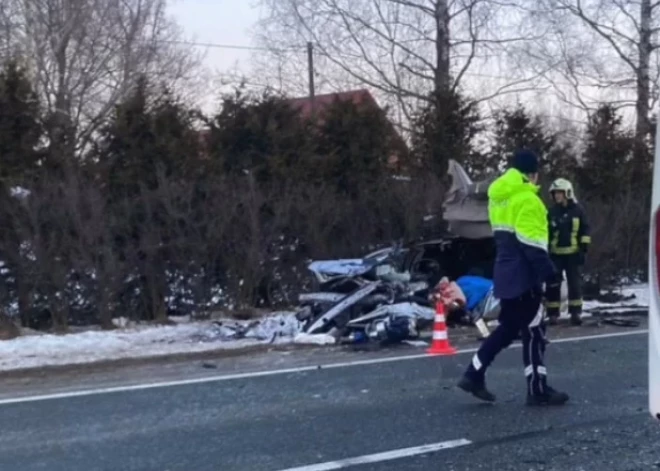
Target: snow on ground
{"points": [[635, 297], [139, 341]]}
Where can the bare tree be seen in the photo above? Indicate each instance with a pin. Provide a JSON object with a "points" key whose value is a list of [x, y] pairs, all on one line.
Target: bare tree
{"points": [[405, 49], [86, 54], [8, 18], [609, 52]]}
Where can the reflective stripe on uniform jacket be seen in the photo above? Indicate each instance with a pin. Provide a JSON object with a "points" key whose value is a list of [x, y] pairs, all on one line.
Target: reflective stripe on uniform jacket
{"points": [[569, 229], [520, 227]]}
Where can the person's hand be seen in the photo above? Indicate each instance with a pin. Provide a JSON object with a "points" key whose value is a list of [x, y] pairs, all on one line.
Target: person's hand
{"points": [[582, 257]]}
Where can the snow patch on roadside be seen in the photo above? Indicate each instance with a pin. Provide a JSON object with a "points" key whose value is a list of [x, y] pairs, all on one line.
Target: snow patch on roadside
{"points": [[635, 298], [186, 336], [639, 299], [38, 350]]}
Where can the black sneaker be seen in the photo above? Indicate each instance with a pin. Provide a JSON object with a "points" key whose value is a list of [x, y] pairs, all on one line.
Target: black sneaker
{"points": [[550, 398], [478, 390]]}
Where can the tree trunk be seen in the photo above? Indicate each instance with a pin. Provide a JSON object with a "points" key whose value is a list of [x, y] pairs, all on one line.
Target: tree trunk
{"points": [[643, 126], [442, 48], [22, 279], [105, 299], [8, 329], [23, 293]]}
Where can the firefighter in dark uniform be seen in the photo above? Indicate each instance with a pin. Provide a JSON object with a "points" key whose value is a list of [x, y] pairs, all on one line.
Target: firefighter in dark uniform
{"points": [[569, 240]]}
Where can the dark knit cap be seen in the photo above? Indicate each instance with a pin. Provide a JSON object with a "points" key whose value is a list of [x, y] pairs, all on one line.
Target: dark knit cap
{"points": [[526, 161]]}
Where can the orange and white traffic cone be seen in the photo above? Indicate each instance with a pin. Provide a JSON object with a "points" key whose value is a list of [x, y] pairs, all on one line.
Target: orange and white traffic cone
{"points": [[440, 344]]}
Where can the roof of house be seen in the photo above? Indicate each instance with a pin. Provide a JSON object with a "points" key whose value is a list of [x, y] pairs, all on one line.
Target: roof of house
{"points": [[357, 97], [320, 102], [305, 108]]}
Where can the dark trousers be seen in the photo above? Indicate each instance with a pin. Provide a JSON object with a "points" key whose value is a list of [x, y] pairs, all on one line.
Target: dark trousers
{"points": [[569, 264], [517, 316]]}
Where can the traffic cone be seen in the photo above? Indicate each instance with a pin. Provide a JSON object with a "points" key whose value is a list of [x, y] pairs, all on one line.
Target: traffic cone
{"points": [[440, 344]]}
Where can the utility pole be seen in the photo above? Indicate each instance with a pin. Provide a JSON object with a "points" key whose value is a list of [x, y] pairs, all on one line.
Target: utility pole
{"points": [[310, 66]]}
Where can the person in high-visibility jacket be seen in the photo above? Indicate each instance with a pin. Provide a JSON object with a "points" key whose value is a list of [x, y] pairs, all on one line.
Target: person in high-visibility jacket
{"points": [[569, 242], [518, 218]]}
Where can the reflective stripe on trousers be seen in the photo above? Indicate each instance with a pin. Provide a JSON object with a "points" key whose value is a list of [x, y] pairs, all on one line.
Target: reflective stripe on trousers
{"points": [[517, 316]]}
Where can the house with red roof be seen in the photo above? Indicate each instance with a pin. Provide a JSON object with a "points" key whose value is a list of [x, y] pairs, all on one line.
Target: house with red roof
{"points": [[313, 108]]}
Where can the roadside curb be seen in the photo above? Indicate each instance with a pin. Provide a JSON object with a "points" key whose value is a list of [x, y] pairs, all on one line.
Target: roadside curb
{"points": [[463, 337], [216, 354], [207, 355]]}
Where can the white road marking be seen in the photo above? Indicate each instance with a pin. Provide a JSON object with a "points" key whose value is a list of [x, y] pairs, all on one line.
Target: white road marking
{"points": [[259, 374], [385, 456]]}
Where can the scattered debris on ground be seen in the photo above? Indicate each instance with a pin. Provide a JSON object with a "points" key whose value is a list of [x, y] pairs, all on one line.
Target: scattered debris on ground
{"points": [[621, 322], [629, 301], [187, 336]]}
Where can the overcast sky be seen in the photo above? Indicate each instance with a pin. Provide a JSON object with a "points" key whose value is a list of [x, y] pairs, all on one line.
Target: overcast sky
{"points": [[230, 23], [225, 22]]}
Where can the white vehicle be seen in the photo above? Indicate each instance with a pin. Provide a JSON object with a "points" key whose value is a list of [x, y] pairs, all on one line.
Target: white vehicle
{"points": [[654, 287]]}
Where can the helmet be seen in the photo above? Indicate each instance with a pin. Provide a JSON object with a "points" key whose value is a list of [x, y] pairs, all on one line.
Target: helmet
{"points": [[561, 184]]}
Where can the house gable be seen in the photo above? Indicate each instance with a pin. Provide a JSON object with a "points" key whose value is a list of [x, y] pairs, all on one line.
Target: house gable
{"points": [[308, 107]]}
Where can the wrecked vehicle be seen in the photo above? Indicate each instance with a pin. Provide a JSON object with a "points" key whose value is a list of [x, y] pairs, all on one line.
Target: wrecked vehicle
{"points": [[467, 247], [385, 295], [369, 295]]}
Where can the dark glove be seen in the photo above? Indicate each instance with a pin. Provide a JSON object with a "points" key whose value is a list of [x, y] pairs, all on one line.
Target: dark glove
{"points": [[582, 257]]}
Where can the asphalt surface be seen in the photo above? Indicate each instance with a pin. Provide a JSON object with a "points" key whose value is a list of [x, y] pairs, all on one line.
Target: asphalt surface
{"points": [[283, 421]]}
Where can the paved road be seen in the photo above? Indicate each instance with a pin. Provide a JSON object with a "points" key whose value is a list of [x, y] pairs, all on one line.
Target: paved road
{"points": [[284, 421]]}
